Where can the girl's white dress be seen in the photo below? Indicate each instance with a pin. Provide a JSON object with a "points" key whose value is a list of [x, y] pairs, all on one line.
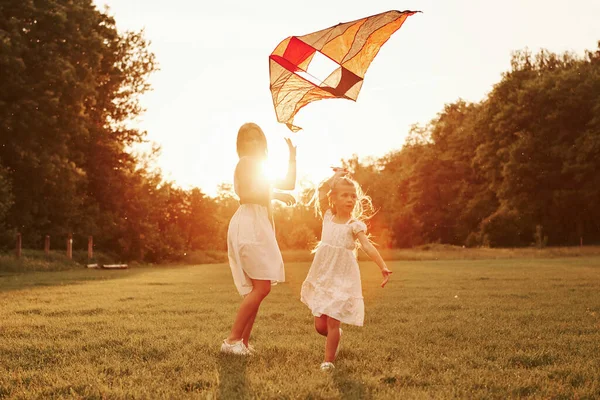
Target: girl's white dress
{"points": [[252, 248], [333, 285]]}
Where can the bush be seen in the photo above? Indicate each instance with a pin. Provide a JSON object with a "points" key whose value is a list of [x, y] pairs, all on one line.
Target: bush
{"points": [[503, 229], [301, 237], [473, 240], [37, 260], [205, 257]]}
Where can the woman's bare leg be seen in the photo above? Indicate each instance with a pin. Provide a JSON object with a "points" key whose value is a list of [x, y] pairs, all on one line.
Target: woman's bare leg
{"points": [[247, 312], [248, 329]]}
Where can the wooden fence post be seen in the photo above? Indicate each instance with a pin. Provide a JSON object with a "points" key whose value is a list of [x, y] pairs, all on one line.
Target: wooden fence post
{"points": [[90, 247], [70, 246], [19, 245], [47, 245]]}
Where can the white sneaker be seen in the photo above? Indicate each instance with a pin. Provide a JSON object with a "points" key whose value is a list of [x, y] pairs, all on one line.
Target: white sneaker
{"points": [[236, 348], [327, 366]]}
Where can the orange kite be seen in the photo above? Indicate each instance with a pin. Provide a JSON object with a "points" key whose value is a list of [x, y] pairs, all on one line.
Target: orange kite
{"points": [[330, 63]]}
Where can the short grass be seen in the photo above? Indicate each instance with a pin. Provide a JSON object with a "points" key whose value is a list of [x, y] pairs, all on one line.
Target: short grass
{"points": [[490, 329]]}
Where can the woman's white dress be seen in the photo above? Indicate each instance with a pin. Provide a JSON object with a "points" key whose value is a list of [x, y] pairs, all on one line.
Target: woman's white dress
{"points": [[252, 247], [333, 285]]}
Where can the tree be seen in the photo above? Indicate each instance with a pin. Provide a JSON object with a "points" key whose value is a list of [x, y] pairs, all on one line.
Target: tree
{"points": [[70, 83], [6, 202], [539, 120]]}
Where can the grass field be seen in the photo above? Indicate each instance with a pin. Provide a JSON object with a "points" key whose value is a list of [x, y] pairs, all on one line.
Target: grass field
{"points": [[501, 328]]}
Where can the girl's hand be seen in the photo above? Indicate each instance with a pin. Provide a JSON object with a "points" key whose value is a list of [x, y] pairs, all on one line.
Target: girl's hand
{"points": [[386, 276], [291, 148], [338, 173], [286, 198]]}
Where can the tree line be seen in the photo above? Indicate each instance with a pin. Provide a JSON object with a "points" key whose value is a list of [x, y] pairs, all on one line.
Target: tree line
{"points": [[518, 167]]}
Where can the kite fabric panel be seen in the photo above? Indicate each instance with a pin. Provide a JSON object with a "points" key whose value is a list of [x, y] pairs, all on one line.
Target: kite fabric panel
{"points": [[330, 63]]}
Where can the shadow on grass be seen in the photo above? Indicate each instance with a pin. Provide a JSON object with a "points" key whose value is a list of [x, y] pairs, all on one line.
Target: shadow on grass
{"points": [[232, 377], [10, 281], [350, 388]]}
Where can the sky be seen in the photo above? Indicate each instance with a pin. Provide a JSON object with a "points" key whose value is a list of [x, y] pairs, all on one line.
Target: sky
{"points": [[214, 73]]}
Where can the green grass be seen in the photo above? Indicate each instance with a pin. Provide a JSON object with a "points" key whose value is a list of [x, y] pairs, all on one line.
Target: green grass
{"points": [[504, 328]]}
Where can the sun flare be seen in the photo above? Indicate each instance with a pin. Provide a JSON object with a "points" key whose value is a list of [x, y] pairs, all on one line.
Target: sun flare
{"points": [[275, 167], [270, 171]]}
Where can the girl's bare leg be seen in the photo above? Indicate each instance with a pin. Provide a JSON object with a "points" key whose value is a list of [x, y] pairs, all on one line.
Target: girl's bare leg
{"points": [[333, 338], [248, 309], [321, 325]]}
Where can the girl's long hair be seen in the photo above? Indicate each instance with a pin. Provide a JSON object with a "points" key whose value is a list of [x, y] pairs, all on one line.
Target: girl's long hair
{"points": [[363, 209], [251, 141]]}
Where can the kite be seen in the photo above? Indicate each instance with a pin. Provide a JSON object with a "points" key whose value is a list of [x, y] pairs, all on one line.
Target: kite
{"points": [[330, 63]]}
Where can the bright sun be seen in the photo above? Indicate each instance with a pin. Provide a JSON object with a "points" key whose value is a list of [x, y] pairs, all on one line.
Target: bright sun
{"points": [[275, 167], [309, 173], [272, 170]]}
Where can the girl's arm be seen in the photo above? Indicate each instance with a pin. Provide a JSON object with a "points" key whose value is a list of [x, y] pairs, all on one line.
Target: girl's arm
{"points": [[322, 191], [372, 252], [289, 182]]}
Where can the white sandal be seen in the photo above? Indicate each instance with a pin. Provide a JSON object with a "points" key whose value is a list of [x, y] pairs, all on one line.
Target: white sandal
{"points": [[327, 366]]}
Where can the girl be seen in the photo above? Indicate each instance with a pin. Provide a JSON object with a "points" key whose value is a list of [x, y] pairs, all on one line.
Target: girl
{"points": [[332, 290], [254, 255]]}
